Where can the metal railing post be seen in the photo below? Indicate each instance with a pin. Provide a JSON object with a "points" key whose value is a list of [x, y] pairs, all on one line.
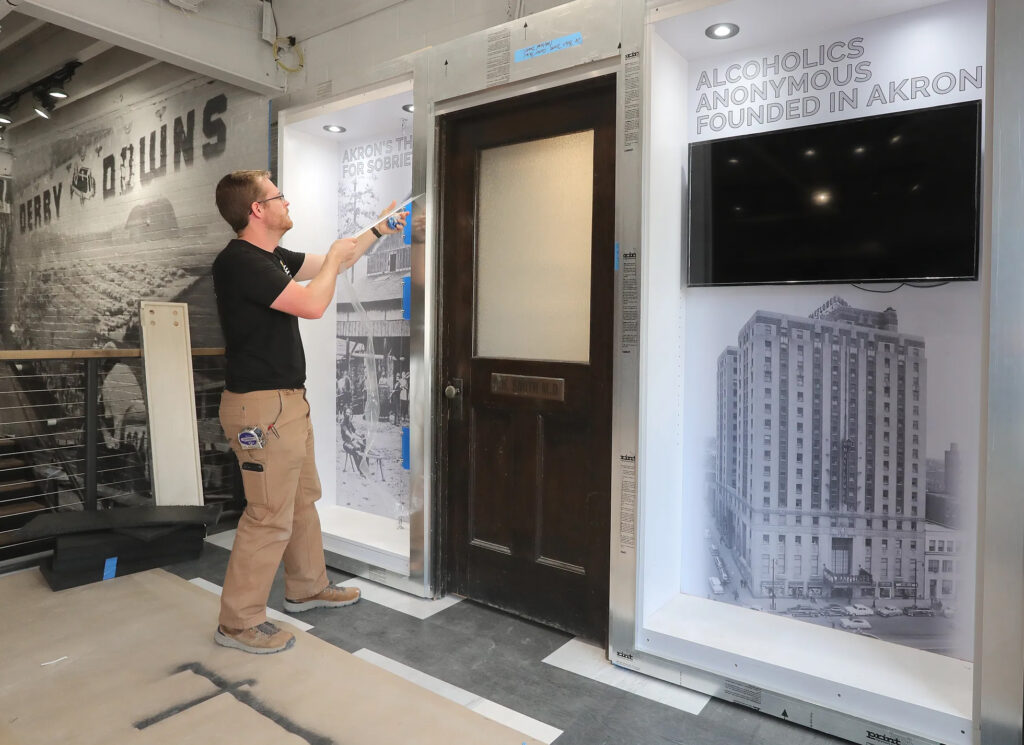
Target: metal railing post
{"points": [[91, 430]]}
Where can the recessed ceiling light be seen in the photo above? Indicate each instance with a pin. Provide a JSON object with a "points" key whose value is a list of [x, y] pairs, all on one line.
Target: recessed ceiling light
{"points": [[721, 30], [409, 107], [334, 128], [822, 197]]}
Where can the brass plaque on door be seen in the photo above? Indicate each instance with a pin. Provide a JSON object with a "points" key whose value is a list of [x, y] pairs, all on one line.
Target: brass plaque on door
{"points": [[528, 386]]}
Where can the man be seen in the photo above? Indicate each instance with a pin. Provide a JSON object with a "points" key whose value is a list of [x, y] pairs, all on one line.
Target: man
{"points": [[264, 411], [352, 442]]}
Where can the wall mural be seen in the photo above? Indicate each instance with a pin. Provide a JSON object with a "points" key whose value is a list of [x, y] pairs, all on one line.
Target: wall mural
{"points": [[121, 209], [112, 209], [372, 473]]}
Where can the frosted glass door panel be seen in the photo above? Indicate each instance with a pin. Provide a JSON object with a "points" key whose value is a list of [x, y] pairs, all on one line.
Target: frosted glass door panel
{"points": [[533, 249]]}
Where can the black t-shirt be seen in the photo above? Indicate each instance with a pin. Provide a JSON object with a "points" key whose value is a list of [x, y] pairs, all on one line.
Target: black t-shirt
{"points": [[262, 345]]}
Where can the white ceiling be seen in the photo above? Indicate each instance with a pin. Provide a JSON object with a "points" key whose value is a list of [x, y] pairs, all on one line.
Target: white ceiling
{"points": [[764, 22], [362, 122]]}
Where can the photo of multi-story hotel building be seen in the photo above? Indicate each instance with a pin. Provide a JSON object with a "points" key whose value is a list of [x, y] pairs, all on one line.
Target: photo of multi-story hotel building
{"points": [[819, 476]]}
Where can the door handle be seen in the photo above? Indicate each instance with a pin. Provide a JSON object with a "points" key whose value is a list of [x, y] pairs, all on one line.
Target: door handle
{"points": [[453, 392]]}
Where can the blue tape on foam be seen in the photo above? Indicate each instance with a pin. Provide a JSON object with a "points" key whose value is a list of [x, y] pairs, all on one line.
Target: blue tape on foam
{"points": [[407, 298], [616, 256], [547, 47], [110, 568], [405, 448]]}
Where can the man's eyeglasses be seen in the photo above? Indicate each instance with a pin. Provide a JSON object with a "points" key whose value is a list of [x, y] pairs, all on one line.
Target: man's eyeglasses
{"points": [[268, 199]]}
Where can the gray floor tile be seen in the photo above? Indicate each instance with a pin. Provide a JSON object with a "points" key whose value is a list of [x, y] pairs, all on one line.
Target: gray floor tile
{"points": [[499, 657]]}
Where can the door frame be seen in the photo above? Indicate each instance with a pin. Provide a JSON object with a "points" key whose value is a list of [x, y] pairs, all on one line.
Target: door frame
{"points": [[453, 555], [611, 32], [439, 426]]}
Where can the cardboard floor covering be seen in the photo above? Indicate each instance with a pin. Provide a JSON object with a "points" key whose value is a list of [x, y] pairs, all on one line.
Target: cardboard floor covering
{"points": [[141, 667]]}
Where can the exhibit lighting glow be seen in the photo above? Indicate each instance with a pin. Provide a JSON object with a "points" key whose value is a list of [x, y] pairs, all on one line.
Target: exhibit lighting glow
{"points": [[860, 150], [895, 139], [40, 111], [5, 118], [334, 128], [810, 152], [408, 107], [56, 91], [734, 161], [721, 30], [822, 197]]}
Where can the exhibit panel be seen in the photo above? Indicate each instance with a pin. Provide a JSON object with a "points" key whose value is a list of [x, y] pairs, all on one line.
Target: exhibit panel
{"points": [[814, 362], [345, 162]]}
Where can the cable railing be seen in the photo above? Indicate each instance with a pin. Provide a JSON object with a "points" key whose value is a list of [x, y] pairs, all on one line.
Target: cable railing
{"points": [[74, 435]]}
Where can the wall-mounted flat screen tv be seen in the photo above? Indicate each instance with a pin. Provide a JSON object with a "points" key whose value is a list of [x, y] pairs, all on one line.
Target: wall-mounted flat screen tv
{"points": [[891, 198]]}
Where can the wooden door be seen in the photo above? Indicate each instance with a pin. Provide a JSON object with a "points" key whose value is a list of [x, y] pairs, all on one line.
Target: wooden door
{"points": [[527, 319]]}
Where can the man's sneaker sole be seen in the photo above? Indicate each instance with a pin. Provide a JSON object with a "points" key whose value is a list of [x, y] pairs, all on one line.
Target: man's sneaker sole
{"points": [[293, 606], [227, 641]]}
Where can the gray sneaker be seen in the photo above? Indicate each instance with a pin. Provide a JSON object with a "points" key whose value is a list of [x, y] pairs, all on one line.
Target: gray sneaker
{"points": [[263, 639]]}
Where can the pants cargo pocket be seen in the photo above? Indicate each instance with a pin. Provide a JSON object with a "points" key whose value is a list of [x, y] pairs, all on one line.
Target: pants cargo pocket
{"points": [[254, 481]]}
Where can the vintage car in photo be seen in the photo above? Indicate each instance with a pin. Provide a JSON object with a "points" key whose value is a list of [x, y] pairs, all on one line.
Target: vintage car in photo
{"points": [[860, 624]]}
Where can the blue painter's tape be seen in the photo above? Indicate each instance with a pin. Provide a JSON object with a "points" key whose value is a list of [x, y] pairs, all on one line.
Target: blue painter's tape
{"points": [[405, 448], [407, 233], [110, 568], [547, 47], [407, 298], [616, 256]]}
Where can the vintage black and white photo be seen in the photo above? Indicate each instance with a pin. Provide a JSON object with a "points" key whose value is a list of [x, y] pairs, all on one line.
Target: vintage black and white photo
{"points": [[839, 463]]}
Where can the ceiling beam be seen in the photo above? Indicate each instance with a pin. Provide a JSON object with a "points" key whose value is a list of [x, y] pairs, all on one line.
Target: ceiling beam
{"points": [[304, 19], [15, 28], [221, 40], [45, 52], [102, 71]]}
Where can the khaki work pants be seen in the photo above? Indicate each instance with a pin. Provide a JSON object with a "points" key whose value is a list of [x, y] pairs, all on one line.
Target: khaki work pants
{"points": [[280, 519]]}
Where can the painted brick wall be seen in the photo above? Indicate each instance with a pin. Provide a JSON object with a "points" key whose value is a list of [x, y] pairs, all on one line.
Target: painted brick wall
{"points": [[113, 202]]}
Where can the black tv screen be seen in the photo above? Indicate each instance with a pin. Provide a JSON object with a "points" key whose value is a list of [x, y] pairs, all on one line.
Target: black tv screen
{"points": [[879, 199]]}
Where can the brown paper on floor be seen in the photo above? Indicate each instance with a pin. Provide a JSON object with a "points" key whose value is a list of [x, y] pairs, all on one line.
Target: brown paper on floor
{"points": [[142, 668]]}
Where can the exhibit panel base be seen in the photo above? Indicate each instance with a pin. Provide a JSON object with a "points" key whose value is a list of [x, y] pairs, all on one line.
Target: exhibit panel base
{"points": [[843, 683], [366, 538], [788, 708]]}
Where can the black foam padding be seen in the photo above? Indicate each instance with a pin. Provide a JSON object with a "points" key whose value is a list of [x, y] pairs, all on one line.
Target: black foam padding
{"points": [[53, 524], [85, 552]]}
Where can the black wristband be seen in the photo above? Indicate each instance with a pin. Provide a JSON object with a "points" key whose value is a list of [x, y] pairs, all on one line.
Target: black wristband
{"points": [[375, 231]]}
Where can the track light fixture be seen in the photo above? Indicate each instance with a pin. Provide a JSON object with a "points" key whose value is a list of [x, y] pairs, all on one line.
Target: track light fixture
{"points": [[44, 105], [7, 109], [47, 92]]}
